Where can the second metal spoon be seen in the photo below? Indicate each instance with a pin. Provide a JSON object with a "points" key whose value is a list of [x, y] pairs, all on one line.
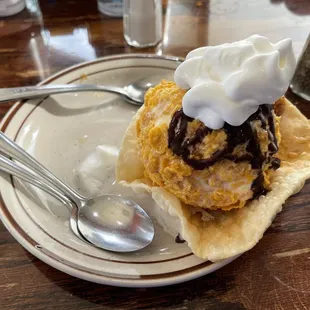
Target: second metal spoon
{"points": [[133, 93]]}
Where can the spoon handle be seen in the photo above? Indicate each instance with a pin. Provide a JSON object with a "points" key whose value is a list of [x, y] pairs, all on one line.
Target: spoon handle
{"points": [[11, 167], [27, 92], [10, 148]]}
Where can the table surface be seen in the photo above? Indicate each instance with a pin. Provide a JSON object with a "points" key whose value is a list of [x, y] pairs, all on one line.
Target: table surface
{"points": [[53, 35]]}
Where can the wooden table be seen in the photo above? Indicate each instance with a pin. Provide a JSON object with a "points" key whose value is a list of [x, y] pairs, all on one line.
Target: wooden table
{"points": [[44, 39]]}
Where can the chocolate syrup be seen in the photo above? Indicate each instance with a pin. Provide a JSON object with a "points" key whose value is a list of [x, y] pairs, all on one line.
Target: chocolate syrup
{"points": [[176, 133], [258, 186], [236, 135], [178, 239]]}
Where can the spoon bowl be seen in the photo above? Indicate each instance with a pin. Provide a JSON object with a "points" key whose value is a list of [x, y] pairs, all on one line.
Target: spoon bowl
{"points": [[116, 222], [136, 91]]}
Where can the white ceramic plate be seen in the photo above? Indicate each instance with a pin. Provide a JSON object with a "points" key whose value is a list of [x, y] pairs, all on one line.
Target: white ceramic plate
{"points": [[60, 131]]}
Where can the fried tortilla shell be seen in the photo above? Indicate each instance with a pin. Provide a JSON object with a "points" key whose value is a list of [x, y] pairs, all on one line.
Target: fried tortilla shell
{"points": [[216, 235]]}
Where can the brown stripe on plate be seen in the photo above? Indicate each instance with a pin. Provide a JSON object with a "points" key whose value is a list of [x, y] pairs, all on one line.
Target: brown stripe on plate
{"points": [[10, 116], [155, 276]]}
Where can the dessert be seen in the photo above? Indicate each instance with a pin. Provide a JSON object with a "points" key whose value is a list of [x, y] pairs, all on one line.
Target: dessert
{"points": [[212, 169], [220, 148]]}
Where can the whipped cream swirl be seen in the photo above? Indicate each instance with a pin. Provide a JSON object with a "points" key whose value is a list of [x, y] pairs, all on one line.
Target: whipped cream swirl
{"points": [[228, 82]]}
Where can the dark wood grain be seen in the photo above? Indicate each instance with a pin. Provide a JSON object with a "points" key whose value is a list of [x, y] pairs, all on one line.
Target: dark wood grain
{"points": [[274, 274]]}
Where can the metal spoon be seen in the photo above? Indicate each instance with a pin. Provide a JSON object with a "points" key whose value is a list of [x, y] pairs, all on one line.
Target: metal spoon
{"points": [[110, 222], [133, 93]]}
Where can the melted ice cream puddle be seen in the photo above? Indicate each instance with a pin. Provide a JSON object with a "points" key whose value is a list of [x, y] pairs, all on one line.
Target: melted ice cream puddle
{"points": [[95, 172]]}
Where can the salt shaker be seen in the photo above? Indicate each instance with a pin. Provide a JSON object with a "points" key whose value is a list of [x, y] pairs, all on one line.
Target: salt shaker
{"points": [[142, 22], [300, 84]]}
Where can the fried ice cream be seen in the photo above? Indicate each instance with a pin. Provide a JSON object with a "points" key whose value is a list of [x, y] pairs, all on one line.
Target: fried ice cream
{"points": [[213, 169]]}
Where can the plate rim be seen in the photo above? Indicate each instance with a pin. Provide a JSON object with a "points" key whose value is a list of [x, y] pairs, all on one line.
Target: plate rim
{"points": [[27, 242]]}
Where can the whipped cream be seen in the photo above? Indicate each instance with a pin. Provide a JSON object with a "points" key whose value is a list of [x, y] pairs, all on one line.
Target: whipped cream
{"points": [[228, 82]]}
